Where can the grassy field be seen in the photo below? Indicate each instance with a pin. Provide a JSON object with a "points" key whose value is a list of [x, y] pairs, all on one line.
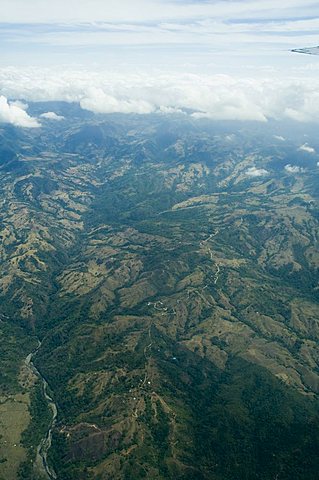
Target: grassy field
{"points": [[14, 419], [16, 384]]}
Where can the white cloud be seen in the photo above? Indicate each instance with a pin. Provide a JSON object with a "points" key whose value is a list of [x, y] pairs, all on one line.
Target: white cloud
{"points": [[294, 169], [51, 116], [306, 148], [219, 97], [167, 110], [15, 115], [139, 10], [224, 35], [19, 104], [279, 137], [256, 172], [98, 101]]}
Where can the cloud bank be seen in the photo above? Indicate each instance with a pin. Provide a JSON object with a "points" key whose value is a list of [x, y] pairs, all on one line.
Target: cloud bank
{"points": [[218, 97], [15, 115]]}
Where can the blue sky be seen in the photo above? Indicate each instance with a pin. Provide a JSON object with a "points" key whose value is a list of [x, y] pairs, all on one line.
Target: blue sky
{"points": [[186, 35]]}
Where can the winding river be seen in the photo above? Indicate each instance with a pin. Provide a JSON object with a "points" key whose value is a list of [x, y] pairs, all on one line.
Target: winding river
{"points": [[41, 461]]}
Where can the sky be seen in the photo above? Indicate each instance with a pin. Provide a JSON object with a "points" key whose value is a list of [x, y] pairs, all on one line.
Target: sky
{"points": [[216, 57], [232, 36]]}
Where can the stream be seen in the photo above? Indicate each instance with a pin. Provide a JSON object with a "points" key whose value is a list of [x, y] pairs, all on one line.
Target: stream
{"points": [[41, 461]]}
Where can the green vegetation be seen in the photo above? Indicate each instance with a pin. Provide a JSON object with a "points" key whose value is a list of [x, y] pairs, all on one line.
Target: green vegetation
{"points": [[40, 419], [176, 299], [14, 347]]}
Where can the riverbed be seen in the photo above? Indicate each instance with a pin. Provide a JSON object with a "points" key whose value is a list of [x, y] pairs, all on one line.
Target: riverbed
{"points": [[41, 462]]}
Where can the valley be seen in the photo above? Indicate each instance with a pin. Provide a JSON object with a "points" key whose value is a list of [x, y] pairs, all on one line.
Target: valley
{"points": [[175, 297]]}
